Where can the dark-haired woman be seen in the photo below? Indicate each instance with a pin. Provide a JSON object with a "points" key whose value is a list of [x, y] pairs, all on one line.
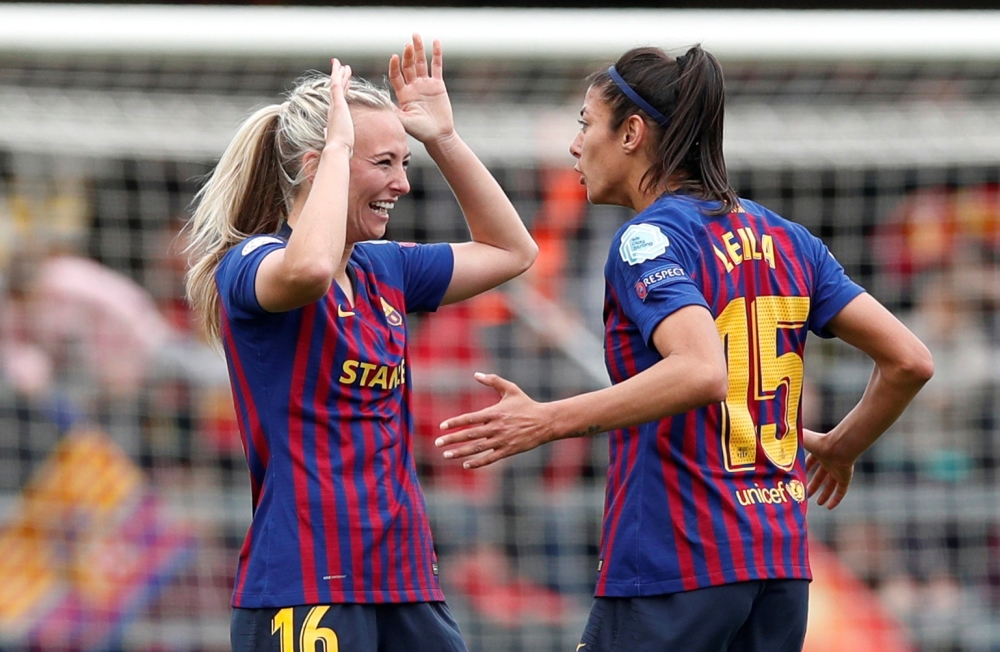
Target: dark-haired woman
{"points": [[708, 302], [292, 277]]}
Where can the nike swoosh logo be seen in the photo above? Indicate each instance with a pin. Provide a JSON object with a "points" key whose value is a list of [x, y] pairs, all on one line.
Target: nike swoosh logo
{"points": [[344, 313], [580, 647]]}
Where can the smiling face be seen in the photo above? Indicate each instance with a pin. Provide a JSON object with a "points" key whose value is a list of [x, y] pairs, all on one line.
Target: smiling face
{"points": [[601, 160], [378, 172]]}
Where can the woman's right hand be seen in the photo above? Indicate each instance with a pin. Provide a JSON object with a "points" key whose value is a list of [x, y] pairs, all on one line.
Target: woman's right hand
{"points": [[339, 126]]}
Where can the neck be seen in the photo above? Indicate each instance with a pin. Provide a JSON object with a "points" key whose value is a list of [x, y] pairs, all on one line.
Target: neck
{"points": [[642, 195], [341, 274], [641, 199], [638, 195], [297, 205]]}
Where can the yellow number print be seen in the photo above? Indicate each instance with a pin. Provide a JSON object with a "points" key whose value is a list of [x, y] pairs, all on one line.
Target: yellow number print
{"points": [[751, 339], [312, 634], [283, 625]]}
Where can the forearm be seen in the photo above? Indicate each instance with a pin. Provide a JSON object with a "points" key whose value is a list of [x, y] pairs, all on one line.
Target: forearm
{"points": [[491, 217], [672, 386], [882, 403], [902, 366], [319, 236]]}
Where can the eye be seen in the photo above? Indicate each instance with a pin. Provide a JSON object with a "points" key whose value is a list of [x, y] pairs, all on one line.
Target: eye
{"points": [[385, 162], [583, 125], [406, 164]]}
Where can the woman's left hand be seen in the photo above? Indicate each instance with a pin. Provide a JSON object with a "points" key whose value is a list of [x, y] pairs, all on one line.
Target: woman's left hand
{"points": [[424, 107], [829, 476]]}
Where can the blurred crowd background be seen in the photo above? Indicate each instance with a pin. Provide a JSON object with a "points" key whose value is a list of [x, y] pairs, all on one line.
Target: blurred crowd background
{"points": [[123, 492]]}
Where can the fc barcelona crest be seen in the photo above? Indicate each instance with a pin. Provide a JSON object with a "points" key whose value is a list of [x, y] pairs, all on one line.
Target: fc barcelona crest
{"points": [[391, 314]]}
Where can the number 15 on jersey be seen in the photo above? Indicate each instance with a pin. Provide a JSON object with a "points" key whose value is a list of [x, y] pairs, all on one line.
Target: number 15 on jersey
{"points": [[758, 374]]}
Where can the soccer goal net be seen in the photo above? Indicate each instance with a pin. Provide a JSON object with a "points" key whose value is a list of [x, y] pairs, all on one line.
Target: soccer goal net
{"points": [[124, 495]]}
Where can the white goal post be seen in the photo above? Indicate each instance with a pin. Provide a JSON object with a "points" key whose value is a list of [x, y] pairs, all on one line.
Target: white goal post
{"points": [[822, 35], [123, 121]]}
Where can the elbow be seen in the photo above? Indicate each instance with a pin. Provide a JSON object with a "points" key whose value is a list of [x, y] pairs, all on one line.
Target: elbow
{"points": [[518, 261], [920, 367], [915, 369], [717, 386], [526, 256], [708, 385]]}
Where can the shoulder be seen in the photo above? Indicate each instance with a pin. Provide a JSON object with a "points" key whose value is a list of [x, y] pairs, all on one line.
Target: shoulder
{"points": [[774, 219], [383, 258], [640, 240], [678, 214], [670, 222], [248, 246], [254, 243], [375, 252], [245, 255]]}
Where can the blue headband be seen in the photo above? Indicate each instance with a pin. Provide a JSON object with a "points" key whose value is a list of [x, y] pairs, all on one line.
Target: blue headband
{"points": [[661, 119]]}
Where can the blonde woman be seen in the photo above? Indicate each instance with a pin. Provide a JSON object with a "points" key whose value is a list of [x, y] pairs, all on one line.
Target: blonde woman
{"points": [[310, 308]]}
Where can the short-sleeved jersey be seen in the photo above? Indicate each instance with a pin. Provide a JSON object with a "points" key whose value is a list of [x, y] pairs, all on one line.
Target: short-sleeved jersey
{"points": [[322, 398], [718, 494]]}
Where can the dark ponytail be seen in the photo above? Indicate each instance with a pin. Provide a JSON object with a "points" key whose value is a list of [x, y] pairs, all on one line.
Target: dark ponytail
{"points": [[689, 92]]}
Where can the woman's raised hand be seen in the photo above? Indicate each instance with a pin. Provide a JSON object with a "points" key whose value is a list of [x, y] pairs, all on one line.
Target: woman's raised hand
{"points": [[339, 126], [424, 107]]}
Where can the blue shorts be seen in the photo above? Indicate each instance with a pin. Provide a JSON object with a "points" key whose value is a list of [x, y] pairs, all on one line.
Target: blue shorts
{"points": [[406, 627], [757, 616]]}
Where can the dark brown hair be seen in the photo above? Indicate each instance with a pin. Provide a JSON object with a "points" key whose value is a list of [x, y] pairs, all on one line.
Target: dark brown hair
{"points": [[690, 92]]}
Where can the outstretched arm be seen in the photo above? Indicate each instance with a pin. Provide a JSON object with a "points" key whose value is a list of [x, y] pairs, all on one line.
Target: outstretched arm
{"points": [[691, 374], [501, 247], [902, 366]]}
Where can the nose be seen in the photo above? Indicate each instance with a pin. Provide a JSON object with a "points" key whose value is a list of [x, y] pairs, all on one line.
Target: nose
{"points": [[400, 183], [575, 146]]}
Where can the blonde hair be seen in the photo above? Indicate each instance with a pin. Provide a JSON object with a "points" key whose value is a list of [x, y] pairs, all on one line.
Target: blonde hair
{"points": [[252, 188]]}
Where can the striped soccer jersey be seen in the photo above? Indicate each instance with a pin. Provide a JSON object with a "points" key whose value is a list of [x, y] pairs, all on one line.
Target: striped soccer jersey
{"points": [[714, 495], [322, 398]]}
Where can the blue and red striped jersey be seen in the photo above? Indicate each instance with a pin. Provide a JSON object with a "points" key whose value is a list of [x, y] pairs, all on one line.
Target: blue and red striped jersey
{"points": [[718, 494], [322, 396]]}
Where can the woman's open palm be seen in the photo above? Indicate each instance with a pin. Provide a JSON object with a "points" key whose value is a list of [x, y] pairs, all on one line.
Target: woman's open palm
{"points": [[424, 107]]}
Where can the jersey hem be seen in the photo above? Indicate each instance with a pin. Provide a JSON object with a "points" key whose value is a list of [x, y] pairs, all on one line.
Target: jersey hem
{"points": [[640, 589], [258, 601]]}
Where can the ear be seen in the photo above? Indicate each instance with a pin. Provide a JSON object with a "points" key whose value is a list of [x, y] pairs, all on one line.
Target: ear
{"points": [[633, 134], [310, 164]]}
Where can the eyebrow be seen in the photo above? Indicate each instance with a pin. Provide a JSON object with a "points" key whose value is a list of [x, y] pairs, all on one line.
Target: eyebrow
{"points": [[392, 154]]}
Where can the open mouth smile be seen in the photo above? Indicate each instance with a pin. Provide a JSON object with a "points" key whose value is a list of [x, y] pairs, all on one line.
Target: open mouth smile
{"points": [[382, 207]]}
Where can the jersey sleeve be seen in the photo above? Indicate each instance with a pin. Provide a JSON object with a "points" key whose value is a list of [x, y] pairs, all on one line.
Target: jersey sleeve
{"points": [[833, 290], [427, 270], [237, 274], [652, 276]]}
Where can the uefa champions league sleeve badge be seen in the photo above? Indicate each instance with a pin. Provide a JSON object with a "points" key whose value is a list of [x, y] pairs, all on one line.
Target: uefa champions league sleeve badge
{"points": [[254, 244], [642, 242]]}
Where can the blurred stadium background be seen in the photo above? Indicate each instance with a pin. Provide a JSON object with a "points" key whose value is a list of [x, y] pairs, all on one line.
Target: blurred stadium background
{"points": [[123, 491]]}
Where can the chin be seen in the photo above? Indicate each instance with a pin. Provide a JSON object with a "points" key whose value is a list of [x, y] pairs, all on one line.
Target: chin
{"points": [[375, 234], [363, 232], [595, 197]]}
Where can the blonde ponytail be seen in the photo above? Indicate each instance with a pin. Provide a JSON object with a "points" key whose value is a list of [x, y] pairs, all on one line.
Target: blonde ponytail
{"points": [[241, 198]]}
